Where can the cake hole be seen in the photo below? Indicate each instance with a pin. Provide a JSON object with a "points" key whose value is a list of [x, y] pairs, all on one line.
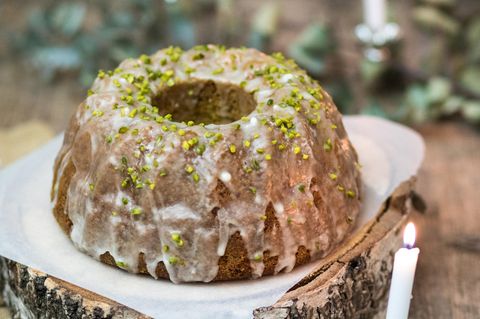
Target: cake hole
{"points": [[205, 101]]}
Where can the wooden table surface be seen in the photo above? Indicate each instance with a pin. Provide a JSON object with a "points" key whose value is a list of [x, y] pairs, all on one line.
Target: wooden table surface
{"points": [[447, 284]]}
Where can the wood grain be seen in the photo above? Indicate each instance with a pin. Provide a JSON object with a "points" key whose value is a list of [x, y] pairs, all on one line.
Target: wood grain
{"points": [[447, 283]]}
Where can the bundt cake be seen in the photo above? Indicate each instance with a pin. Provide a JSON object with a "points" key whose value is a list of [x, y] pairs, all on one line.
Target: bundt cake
{"points": [[207, 164]]}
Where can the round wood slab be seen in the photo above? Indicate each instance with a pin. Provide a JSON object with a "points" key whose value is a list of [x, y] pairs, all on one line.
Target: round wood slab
{"points": [[352, 282]]}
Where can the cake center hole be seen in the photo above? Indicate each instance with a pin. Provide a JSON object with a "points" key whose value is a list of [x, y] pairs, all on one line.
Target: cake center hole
{"points": [[205, 101]]}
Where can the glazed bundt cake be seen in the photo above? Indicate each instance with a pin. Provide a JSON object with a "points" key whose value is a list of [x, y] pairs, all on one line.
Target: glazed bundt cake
{"points": [[207, 164]]}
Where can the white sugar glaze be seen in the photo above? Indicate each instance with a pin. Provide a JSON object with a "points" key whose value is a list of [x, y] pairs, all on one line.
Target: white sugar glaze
{"points": [[169, 218]]}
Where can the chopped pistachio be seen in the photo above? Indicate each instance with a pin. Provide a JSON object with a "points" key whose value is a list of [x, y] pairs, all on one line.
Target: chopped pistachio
{"points": [[327, 146], [176, 237], [162, 172], [145, 59], [198, 56], [195, 177], [136, 211], [101, 74], [301, 188], [218, 71], [200, 149], [189, 169]]}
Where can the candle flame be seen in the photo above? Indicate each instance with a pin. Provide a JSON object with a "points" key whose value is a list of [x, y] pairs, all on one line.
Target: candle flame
{"points": [[409, 235]]}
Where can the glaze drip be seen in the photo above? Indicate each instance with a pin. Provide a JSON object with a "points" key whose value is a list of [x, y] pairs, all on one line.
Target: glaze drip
{"points": [[152, 179]]}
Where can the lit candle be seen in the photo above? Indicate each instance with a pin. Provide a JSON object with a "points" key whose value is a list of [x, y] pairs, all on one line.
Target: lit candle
{"points": [[374, 13], [402, 278]]}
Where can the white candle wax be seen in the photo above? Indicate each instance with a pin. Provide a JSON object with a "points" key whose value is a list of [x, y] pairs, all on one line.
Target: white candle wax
{"points": [[374, 13], [402, 283], [404, 266]]}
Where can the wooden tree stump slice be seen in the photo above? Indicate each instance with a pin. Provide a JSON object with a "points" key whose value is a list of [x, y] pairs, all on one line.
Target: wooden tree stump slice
{"points": [[352, 282]]}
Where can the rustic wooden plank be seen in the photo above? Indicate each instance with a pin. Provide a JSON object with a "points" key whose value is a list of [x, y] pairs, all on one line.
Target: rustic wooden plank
{"points": [[447, 283], [33, 294]]}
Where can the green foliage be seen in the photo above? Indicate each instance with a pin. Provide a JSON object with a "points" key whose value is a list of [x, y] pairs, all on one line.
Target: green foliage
{"points": [[80, 37]]}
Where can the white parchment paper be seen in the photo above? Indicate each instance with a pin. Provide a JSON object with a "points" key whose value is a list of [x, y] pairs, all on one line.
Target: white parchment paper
{"points": [[29, 234]]}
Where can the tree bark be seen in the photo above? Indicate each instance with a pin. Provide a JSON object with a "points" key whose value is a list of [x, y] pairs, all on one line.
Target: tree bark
{"points": [[32, 294]]}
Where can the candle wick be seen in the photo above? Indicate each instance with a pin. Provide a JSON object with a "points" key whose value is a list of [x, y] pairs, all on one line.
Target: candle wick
{"points": [[408, 246]]}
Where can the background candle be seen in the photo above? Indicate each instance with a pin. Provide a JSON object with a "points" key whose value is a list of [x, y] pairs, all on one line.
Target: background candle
{"points": [[402, 277], [374, 13]]}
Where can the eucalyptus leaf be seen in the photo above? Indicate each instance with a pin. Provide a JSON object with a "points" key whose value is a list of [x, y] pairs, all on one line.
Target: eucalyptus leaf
{"points": [[471, 111], [433, 18], [316, 38], [314, 64], [417, 101], [470, 79], [123, 19], [374, 109], [38, 22], [473, 40], [438, 89], [452, 105], [473, 32], [68, 17], [57, 58]]}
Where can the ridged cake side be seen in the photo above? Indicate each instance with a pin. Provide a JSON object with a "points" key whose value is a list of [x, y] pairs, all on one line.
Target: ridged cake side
{"points": [[189, 201]]}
